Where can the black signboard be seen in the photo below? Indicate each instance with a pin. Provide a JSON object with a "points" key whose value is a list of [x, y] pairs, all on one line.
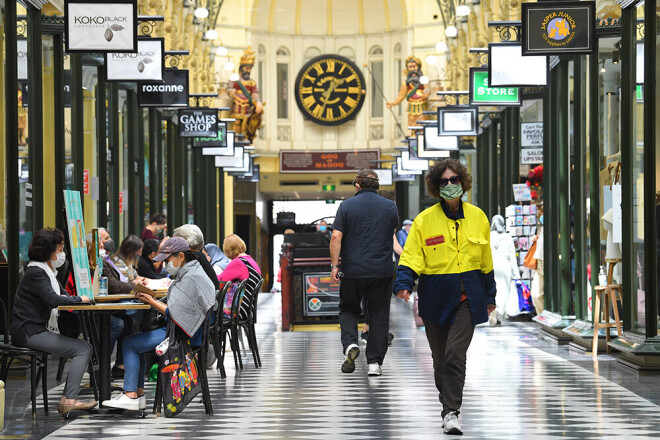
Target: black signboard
{"points": [[558, 28], [171, 92], [321, 294], [198, 122], [219, 140], [67, 90]]}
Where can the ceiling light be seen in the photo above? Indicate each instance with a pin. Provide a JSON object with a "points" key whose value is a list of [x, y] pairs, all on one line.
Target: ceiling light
{"points": [[431, 59], [602, 69], [424, 80], [211, 34], [463, 11], [616, 57], [201, 12], [221, 51], [451, 31], [441, 47], [229, 66]]}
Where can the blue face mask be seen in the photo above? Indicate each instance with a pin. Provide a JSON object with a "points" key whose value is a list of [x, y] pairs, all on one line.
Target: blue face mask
{"points": [[541, 219], [323, 228]]}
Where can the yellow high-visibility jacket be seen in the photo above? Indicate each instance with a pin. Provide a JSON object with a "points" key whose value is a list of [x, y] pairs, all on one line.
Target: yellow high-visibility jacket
{"points": [[445, 251]]}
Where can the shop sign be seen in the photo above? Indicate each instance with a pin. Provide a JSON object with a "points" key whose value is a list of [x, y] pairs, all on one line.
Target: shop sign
{"points": [[77, 243], [294, 161], [482, 94], [67, 90], [250, 178], [219, 140], [234, 161], [530, 156], [21, 61], [521, 192], [100, 26], [226, 150], [507, 67], [558, 28], [86, 182], [171, 92], [147, 64], [321, 294], [198, 123], [531, 134], [457, 121]]}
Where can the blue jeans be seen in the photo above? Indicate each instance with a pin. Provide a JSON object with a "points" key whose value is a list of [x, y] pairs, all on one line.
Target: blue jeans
{"points": [[135, 346], [116, 329]]}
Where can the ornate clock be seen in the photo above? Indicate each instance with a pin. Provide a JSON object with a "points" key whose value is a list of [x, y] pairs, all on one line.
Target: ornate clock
{"points": [[330, 90]]}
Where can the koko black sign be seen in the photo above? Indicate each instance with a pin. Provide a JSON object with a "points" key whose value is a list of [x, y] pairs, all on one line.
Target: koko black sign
{"points": [[198, 123], [92, 26], [171, 92], [558, 28]]}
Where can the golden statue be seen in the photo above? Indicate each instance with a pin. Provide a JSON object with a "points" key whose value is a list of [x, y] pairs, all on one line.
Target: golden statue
{"points": [[416, 93], [246, 107]]}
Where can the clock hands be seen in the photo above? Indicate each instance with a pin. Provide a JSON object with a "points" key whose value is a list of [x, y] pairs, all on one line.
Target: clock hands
{"points": [[331, 88]]}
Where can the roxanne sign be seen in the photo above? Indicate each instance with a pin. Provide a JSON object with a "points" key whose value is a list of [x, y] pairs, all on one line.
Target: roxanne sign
{"points": [[198, 123], [100, 27]]}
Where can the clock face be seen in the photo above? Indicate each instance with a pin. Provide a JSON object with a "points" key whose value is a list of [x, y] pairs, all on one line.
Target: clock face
{"points": [[330, 90]]}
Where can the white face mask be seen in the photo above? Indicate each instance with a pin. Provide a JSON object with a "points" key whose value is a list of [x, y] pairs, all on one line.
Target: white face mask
{"points": [[102, 253], [61, 258], [172, 269]]}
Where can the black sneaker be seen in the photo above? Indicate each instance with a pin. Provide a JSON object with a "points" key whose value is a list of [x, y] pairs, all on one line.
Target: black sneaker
{"points": [[390, 337], [364, 336], [352, 352]]}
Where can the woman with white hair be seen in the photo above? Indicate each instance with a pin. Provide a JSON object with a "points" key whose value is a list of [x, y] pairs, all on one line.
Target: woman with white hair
{"points": [[195, 238]]}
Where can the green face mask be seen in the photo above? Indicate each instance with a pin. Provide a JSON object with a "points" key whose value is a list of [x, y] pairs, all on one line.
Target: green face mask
{"points": [[451, 191]]}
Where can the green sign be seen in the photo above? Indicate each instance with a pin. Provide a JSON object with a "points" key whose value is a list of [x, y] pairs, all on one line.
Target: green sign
{"points": [[640, 93], [77, 243], [328, 187], [481, 94], [330, 202]]}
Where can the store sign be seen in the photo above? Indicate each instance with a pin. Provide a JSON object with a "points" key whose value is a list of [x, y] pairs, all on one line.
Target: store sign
{"points": [[198, 122], [531, 156], [77, 243], [21, 61], [227, 150], [507, 67], [457, 121], [234, 161], [531, 134], [67, 90], [558, 28], [219, 140], [321, 294], [327, 161], [171, 92], [482, 94], [100, 26], [147, 64], [86, 182]]}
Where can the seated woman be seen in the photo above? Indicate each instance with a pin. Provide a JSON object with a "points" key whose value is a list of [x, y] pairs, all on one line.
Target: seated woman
{"points": [[189, 298], [146, 267], [37, 295], [242, 267], [126, 259], [217, 258]]}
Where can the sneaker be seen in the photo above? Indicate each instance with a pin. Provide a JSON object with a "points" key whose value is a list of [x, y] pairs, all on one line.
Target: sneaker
{"points": [[352, 352], [492, 318], [375, 370], [123, 402], [364, 336], [451, 425], [390, 337], [142, 402]]}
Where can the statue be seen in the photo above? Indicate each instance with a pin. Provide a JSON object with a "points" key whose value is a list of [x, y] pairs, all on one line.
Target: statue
{"points": [[246, 107], [413, 90]]}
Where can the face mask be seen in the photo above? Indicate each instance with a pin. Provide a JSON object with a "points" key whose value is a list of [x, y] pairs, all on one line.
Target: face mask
{"points": [[541, 219], [451, 191], [109, 246], [61, 258], [172, 269], [102, 253], [323, 228]]}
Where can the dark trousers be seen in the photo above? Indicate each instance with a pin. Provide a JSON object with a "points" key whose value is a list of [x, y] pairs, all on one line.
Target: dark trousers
{"points": [[377, 291], [449, 347]]}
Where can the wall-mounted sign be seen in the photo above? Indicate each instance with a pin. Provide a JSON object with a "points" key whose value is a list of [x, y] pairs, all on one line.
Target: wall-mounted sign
{"points": [[234, 161], [321, 294], [198, 122], [531, 134], [67, 90], [507, 67], [531, 156], [21, 61], [294, 161], [457, 121], [147, 64], [558, 28], [100, 26], [521, 192], [219, 140], [482, 94], [77, 243], [171, 92]]}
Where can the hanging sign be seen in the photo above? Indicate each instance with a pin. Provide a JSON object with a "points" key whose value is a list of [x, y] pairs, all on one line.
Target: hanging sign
{"points": [[558, 28], [227, 150], [198, 122], [234, 161], [507, 67], [326, 161], [147, 64], [100, 26], [219, 140], [171, 92], [530, 156], [482, 94], [21, 60], [77, 243], [531, 134], [457, 121]]}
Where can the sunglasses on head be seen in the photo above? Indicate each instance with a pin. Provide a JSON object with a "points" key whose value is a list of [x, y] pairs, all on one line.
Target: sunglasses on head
{"points": [[453, 179], [364, 177]]}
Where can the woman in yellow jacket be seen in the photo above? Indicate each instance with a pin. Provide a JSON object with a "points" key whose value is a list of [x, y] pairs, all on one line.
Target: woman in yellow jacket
{"points": [[448, 252]]}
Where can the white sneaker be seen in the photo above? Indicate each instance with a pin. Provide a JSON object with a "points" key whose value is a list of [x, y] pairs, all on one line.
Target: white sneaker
{"points": [[143, 402], [123, 402], [492, 319], [375, 370], [451, 425]]}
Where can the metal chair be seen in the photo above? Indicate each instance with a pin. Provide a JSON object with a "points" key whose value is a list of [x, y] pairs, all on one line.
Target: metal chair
{"points": [[217, 331]]}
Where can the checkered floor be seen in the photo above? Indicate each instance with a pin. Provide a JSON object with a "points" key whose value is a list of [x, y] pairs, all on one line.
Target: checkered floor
{"points": [[513, 391]]}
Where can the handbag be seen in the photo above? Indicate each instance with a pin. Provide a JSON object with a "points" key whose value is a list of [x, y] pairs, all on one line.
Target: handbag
{"points": [[179, 376], [529, 261], [152, 320]]}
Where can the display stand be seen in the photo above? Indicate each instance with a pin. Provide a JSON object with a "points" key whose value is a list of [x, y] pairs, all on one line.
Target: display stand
{"points": [[604, 295], [521, 225]]}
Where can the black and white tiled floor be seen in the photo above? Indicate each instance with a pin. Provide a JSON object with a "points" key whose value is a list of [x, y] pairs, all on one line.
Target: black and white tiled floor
{"points": [[515, 389]]}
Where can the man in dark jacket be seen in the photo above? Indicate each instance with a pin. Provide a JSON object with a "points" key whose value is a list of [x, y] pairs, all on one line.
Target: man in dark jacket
{"points": [[363, 236]]}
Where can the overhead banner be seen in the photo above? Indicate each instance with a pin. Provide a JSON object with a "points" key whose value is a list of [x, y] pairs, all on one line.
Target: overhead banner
{"points": [[507, 67], [171, 92], [77, 243], [219, 140], [300, 161], [531, 156], [100, 26], [531, 134], [198, 122], [147, 64], [558, 28], [457, 121], [482, 94]]}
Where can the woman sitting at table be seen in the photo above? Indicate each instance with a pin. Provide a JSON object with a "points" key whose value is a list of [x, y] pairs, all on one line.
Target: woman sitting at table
{"points": [[37, 295], [126, 259], [189, 298], [146, 267]]}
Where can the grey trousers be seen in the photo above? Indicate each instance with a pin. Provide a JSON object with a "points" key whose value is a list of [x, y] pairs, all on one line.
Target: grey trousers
{"points": [[76, 349], [449, 347]]}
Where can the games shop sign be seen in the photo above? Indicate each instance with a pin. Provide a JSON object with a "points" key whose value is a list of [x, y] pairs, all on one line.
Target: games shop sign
{"points": [[198, 123], [100, 26]]}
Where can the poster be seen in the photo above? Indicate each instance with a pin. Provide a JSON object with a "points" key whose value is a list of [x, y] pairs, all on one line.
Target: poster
{"points": [[531, 134], [77, 243], [321, 294], [531, 156], [100, 26]]}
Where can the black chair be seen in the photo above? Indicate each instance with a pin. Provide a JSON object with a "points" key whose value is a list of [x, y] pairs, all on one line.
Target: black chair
{"points": [[217, 331], [38, 361], [229, 328], [247, 319]]}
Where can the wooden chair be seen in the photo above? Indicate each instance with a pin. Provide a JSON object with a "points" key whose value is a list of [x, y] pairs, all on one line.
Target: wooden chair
{"points": [[604, 296]]}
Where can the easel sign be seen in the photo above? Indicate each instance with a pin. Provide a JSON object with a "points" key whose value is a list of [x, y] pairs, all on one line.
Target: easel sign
{"points": [[77, 243]]}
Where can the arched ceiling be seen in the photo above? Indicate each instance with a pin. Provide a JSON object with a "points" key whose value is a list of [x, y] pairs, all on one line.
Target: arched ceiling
{"points": [[328, 17]]}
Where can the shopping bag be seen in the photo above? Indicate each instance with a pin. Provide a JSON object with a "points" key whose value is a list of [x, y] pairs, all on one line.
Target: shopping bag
{"points": [[178, 373], [524, 297], [529, 261]]}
